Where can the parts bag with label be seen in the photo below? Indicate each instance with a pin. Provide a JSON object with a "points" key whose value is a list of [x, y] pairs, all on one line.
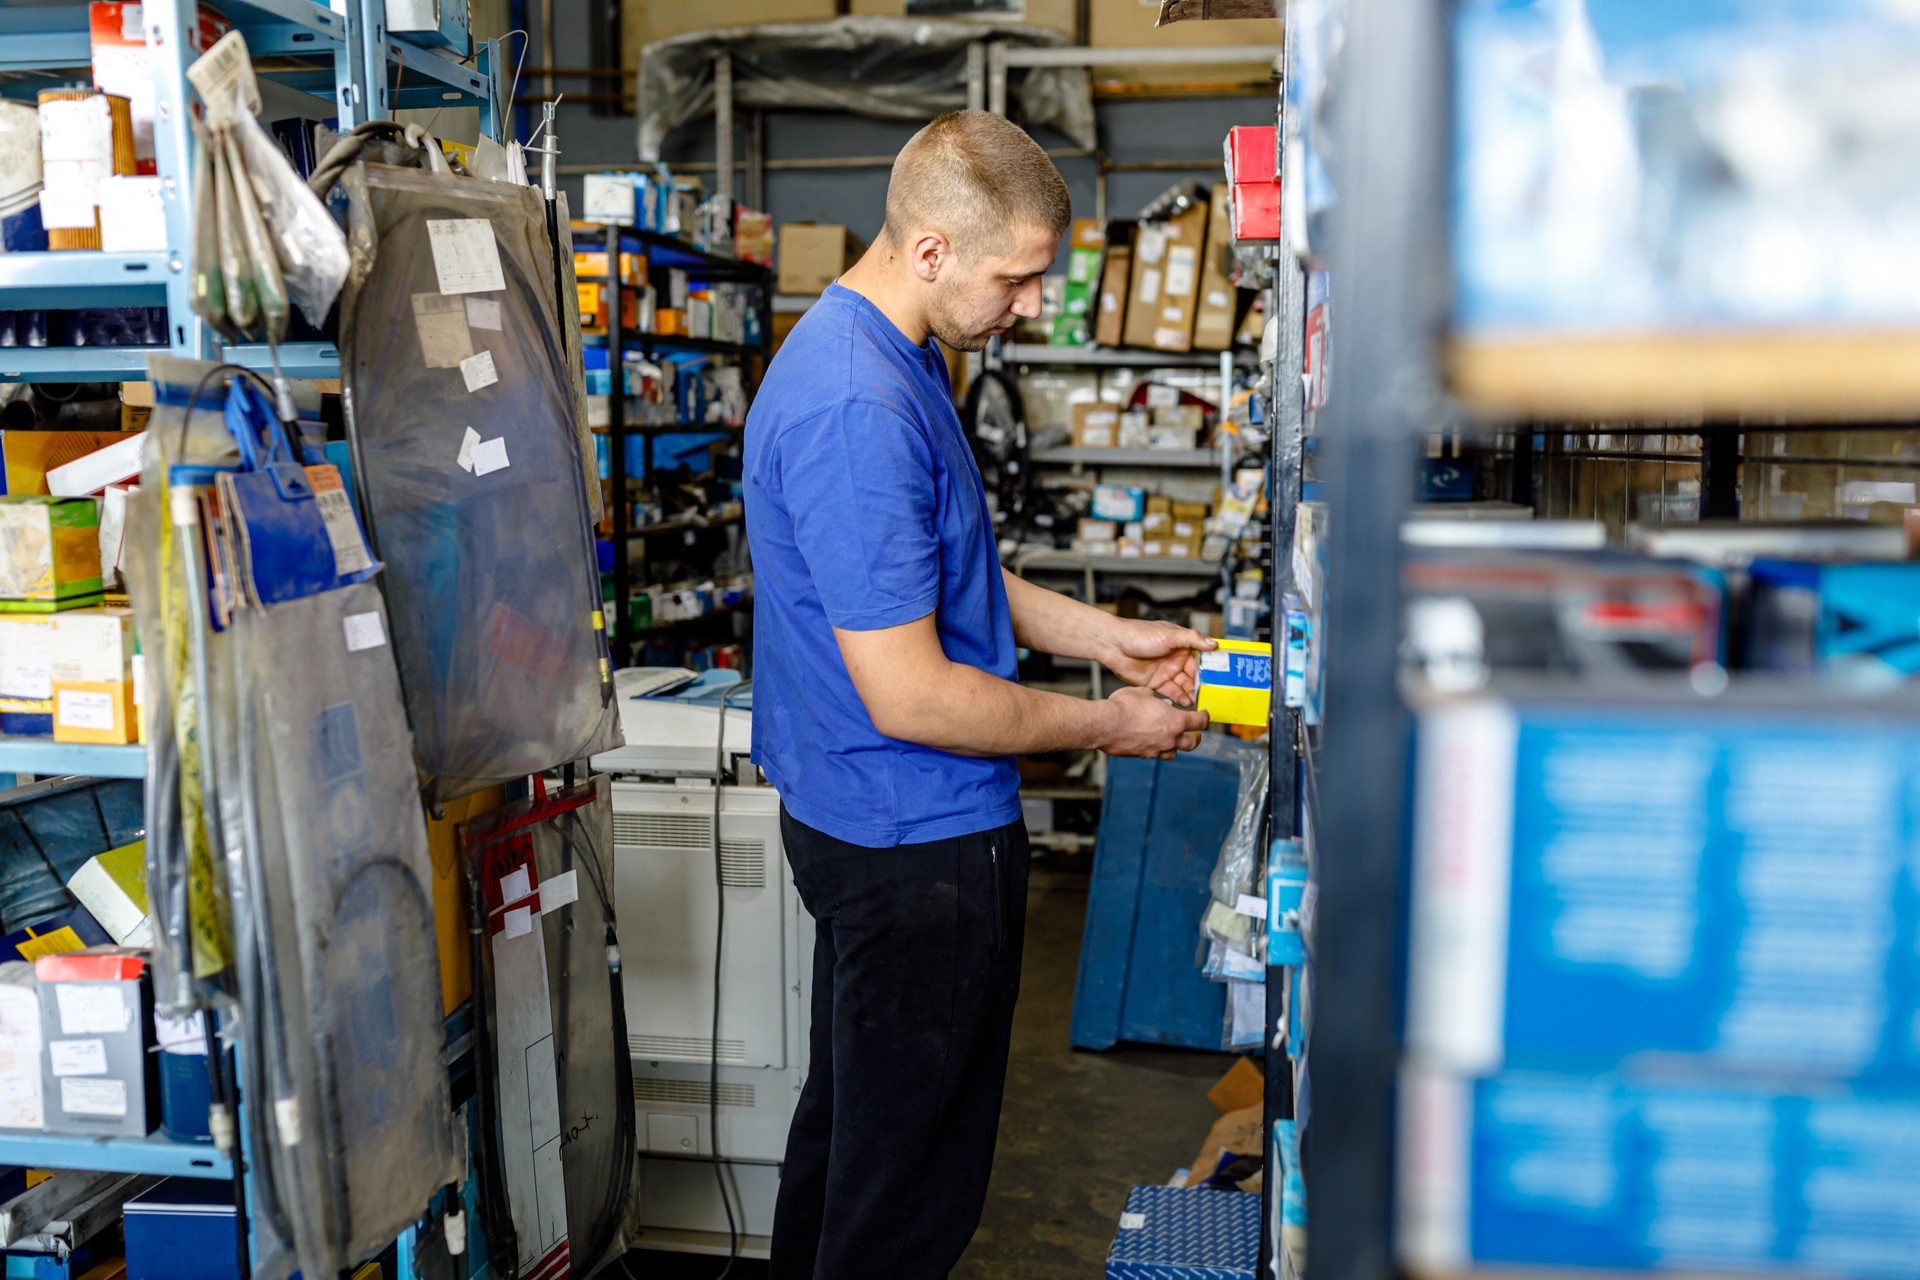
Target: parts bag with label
{"points": [[474, 469]]}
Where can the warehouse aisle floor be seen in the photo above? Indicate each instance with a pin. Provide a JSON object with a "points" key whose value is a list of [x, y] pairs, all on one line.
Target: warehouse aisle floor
{"points": [[1077, 1129]]}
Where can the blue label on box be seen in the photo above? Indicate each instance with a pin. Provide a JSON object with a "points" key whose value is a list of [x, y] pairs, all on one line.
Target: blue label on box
{"points": [[1737, 887], [1608, 1173]]}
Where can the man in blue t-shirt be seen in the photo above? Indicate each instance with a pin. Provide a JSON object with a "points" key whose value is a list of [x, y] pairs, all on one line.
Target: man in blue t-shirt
{"points": [[887, 713]]}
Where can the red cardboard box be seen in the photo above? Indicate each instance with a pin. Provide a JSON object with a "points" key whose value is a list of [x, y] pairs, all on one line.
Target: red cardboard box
{"points": [[1253, 152], [1256, 211]]}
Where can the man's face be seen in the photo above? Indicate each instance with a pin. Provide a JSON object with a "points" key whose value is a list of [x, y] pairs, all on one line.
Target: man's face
{"points": [[979, 298]]}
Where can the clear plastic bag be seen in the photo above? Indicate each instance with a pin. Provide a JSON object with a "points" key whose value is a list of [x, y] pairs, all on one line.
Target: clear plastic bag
{"points": [[310, 246], [1239, 873], [477, 500]]}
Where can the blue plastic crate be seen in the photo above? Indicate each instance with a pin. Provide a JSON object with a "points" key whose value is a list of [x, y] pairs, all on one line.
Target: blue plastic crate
{"points": [[1171, 1233]]}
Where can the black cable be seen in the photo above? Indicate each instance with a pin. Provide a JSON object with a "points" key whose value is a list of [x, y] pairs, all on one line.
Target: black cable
{"points": [[719, 944]]}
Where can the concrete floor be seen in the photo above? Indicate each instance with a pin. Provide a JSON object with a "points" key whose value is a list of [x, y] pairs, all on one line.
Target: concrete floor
{"points": [[1077, 1129]]}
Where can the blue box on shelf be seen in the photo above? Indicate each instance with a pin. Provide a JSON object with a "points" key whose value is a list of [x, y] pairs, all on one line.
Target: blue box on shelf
{"points": [[1727, 883], [68, 931], [182, 1229], [1173, 1233], [1858, 623]]}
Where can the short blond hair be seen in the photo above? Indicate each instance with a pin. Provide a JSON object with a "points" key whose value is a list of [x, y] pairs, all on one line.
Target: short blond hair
{"points": [[970, 175]]}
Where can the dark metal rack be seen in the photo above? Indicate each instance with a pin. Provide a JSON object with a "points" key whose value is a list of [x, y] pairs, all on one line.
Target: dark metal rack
{"points": [[664, 252]]}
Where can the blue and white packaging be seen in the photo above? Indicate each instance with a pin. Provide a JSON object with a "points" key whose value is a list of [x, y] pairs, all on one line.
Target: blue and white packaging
{"points": [[1173, 1233], [1600, 884], [1286, 887]]}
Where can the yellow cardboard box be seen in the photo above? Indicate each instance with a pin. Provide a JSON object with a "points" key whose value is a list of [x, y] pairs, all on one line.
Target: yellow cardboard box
{"points": [[1236, 683]]}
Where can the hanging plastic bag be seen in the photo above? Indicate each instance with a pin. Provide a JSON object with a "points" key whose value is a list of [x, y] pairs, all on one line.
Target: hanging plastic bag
{"points": [[209, 290], [261, 253], [237, 282], [310, 246], [467, 453], [1236, 916]]}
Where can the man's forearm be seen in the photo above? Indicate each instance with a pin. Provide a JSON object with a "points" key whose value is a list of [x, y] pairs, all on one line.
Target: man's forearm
{"points": [[969, 712], [1056, 624]]}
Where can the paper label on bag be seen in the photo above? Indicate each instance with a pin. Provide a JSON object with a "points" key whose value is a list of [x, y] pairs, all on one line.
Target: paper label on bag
{"points": [[515, 885], [442, 325], [466, 257], [483, 313], [478, 371], [93, 1097], [186, 1035], [91, 1009], [467, 445], [350, 554], [78, 1057], [364, 631], [1248, 905], [1150, 285], [519, 923], [83, 709], [1181, 260], [490, 456], [558, 891], [1133, 1221], [223, 72]]}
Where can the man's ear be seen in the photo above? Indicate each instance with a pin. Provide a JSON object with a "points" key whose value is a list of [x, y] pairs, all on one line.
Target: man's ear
{"points": [[929, 254]]}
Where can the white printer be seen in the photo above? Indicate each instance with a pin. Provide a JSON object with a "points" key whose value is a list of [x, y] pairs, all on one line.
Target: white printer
{"points": [[668, 874]]}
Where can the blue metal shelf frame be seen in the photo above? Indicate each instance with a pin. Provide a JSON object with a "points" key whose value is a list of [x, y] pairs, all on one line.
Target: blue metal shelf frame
{"points": [[155, 1155], [339, 55]]}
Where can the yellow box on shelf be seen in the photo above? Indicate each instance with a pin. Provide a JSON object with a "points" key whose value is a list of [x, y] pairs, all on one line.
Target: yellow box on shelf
{"points": [[1236, 683]]}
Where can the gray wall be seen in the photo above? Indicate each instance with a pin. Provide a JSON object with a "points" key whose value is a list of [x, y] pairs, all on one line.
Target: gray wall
{"points": [[1163, 129]]}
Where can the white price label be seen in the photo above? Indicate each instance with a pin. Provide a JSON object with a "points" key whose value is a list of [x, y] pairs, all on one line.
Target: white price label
{"points": [[78, 1057], [93, 1097], [490, 456], [477, 371], [364, 631], [466, 257]]}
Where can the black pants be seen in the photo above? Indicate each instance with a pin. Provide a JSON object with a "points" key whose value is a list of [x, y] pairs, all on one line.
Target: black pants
{"points": [[916, 964]]}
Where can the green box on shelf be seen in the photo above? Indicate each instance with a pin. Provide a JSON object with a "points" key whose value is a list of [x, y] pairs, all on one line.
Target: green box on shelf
{"points": [[640, 612], [49, 553], [1085, 247]]}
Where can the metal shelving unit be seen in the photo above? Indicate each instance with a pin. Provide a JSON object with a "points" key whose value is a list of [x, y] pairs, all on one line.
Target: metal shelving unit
{"points": [[663, 252], [302, 46], [1204, 459], [155, 1155], [1144, 566], [1119, 357]]}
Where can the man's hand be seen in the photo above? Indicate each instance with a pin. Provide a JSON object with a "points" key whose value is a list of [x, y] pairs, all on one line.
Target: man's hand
{"points": [[1157, 656], [1143, 725]]}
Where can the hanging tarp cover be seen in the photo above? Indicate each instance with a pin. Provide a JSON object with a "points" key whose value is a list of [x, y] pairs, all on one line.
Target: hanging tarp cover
{"points": [[473, 465], [888, 68]]}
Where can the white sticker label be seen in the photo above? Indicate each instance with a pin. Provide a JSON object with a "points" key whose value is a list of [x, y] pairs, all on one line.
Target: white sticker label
{"points": [[1216, 660], [478, 370], [466, 258], [1133, 1221], [515, 885], [76, 153], [1150, 243], [1248, 905], [139, 680], [222, 72], [1173, 315], [93, 1097], [490, 456], [1181, 260], [519, 923], [607, 197], [83, 709], [343, 532], [483, 313], [26, 660], [1109, 303], [91, 1009], [1150, 285], [558, 891], [78, 1057], [133, 219], [467, 443], [182, 1035], [442, 325], [364, 631], [1216, 299]]}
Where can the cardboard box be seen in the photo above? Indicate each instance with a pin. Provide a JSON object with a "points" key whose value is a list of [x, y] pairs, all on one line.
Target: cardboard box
{"points": [[1096, 426], [1183, 548], [49, 553], [26, 663], [1130, 548], [96, 1013], [1109, 326], [1256, 211], [69, 931], [1073, 326], [183, 1229], [1853, 623], [1156, 524], [22, 1086], [1173, 438], [1219, 302], [1097, 531], [1192, 1234], [1253, 153], [1154, 548], [118, 463], [1190, 511], [593, 262], [1119, 503], [813, 254], [1188, 530], [1236, 683], [1158, 503], [29, 455], [92, 669], [1166, 281], [1135, 429], [112, 886], [1188, 417], [753, 236]]}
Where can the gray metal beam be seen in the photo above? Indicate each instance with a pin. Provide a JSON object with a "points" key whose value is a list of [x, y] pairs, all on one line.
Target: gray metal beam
{"points": [[1146, 56]]}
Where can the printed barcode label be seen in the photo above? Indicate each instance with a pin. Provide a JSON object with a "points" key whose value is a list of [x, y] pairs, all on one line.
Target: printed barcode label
{"points": [[343, 532]]}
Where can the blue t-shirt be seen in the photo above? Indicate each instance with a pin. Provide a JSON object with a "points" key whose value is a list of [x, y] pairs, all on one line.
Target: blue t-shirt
{"points": [[865, 510]]}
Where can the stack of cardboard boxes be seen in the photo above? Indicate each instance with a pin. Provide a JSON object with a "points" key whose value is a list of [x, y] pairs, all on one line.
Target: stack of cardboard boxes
{"points": [[1165, 284], [1127, 521]]}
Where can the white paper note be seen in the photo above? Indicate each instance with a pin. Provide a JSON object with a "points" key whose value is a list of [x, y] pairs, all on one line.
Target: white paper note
{"points": [[183, 1035], [466, 258], [91, 1008], [478, 371], [441, 323], [489, 456], [519, 923], [1150, 286], [83, 709], [93, 1097], [132, 217], [483, 313], [78, 1057], [467, 444], [1248, 905], [364, 631], [558, 891], [607, 197], [1181, 261], [1132, 1221], [515, 885]]}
